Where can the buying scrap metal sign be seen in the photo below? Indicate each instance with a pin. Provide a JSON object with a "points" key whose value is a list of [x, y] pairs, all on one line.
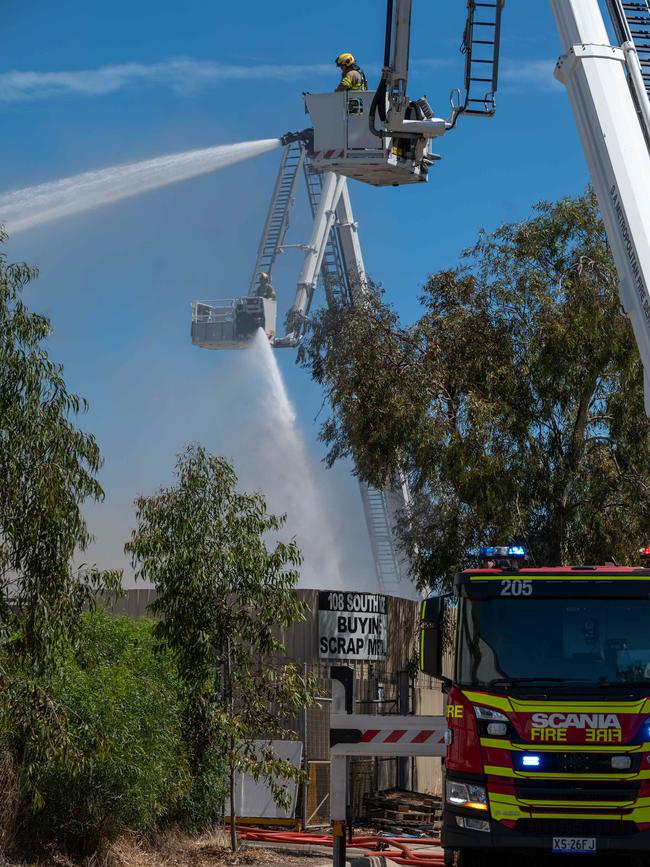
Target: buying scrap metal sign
{"points": [[352, 625]]}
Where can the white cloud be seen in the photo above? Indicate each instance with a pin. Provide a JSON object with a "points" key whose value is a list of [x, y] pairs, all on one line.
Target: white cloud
{"points": [[529, 74], [182, 74]]}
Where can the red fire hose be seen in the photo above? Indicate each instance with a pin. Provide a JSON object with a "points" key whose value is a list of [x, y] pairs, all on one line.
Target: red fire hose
{"points": [[397, 849]]}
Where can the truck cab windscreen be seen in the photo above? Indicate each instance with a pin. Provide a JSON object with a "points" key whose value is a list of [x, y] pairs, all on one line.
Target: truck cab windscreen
{"points": [[545, 642]]}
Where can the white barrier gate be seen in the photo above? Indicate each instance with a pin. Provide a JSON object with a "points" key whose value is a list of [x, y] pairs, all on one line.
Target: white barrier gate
{"points": [[370, 735]]}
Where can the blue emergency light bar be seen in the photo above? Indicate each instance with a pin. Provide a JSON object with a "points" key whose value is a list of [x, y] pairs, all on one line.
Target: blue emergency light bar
{"points": [[512, 552]]}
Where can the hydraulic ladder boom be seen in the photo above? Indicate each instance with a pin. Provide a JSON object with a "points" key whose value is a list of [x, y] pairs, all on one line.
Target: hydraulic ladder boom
{"points": [[608, 94], [333, 260], [333, 257]]}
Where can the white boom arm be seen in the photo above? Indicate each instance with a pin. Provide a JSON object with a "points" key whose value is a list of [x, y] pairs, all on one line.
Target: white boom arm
{"points": [[314, 252], [395, 77], [614, 143], [382, 508]]}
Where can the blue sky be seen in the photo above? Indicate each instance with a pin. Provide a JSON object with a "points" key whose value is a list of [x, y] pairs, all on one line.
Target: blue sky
{"points": [[88, 85]]}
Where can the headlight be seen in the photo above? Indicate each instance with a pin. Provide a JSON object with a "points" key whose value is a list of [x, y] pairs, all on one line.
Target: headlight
{"points": [[466, 795], [487, 713]]}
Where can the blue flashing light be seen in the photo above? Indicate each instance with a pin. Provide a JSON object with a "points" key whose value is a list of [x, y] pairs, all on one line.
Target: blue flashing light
{"points": [[513, 552], [487, 551], [530, 761], [517, 551]]}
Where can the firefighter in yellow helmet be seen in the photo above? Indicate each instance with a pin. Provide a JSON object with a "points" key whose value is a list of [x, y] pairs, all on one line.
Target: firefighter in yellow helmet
{"points": [[352, 77], [265, 288]]}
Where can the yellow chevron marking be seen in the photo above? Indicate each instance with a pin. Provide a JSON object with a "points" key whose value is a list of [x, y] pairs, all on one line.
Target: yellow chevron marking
{"points": [[640, 814], [422, 642], [497, 743], [599, 805], [628, 707], [507, 807], [605, 817], [564, 578], [521, 706], [497, 771], [489, 700]]}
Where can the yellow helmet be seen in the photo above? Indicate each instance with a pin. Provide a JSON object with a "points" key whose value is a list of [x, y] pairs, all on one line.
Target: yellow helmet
{"points": [[344, 60]]}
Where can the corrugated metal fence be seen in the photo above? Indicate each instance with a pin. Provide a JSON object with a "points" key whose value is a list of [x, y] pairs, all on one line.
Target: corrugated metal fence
{"points": [[390, 685]]}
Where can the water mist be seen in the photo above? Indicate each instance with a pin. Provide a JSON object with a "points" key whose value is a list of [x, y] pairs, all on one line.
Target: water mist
{"points": [[23, 209], [284, 472]]}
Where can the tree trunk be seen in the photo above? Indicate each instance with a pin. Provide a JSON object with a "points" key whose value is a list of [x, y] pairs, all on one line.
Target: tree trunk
{"points": [[228, 694], [233, 812]]}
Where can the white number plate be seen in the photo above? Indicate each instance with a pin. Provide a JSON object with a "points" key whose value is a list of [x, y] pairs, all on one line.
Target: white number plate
{"points": [[576, 845]]}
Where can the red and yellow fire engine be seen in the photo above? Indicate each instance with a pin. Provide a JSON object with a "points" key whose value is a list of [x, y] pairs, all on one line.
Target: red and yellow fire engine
{"points": [[547, 675]]}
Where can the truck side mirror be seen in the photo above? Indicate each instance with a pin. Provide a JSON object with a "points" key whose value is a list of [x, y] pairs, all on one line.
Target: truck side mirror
{"points": [[431, 636]]}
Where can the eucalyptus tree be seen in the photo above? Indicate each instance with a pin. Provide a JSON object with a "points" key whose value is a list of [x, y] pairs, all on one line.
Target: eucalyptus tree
{"points": [[48, 469], [515, 402], [224, 592]]}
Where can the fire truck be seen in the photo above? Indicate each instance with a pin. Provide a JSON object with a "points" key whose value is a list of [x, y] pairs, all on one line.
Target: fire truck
{"points": [[546, 740], [547, 680]]}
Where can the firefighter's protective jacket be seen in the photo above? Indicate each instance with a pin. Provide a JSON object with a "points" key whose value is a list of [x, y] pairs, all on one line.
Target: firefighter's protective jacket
{"points": [[353, 79]]}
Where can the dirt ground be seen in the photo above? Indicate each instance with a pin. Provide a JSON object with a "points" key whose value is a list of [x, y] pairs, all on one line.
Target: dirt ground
{"points": [[211, 850], [174, 849]]}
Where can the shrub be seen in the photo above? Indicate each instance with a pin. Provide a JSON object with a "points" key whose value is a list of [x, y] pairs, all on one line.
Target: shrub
{"points": [[129, 768]]}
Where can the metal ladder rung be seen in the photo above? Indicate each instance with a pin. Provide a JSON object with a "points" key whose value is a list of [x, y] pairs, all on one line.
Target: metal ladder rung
{"points": [[488, 63]]}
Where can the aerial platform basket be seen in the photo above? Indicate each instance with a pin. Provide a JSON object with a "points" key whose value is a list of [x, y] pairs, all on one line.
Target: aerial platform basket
{"points": [[232, 323], [344, 143]]}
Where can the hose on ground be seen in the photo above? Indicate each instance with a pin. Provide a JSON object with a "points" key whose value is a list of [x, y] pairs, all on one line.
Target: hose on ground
{"points": [[397, 849]]}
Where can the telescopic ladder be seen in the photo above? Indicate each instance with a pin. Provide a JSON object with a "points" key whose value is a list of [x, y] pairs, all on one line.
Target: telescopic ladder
{"points": [[277, 219], [632, 24], [480, 46]]}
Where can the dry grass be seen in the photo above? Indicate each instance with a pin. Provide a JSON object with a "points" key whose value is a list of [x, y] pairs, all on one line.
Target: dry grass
{"points": [[175, 849]]}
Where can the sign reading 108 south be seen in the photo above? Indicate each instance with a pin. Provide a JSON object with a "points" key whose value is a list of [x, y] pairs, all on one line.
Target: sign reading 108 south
{"points": [[352, 625]]}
